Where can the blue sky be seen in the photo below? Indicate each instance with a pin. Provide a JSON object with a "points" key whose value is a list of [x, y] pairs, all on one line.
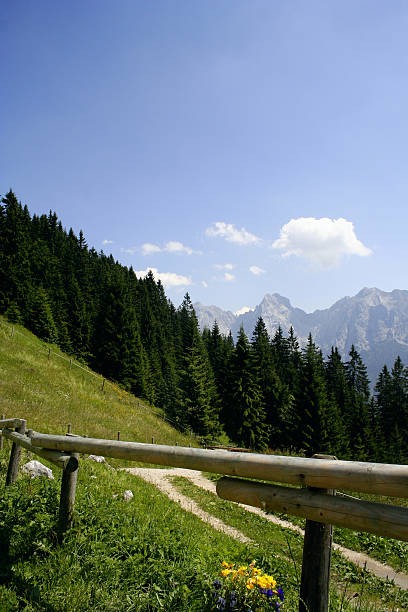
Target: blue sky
{"points": [[237, 148]]}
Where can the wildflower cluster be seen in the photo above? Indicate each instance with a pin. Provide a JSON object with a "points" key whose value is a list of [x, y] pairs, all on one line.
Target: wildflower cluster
{"points": [[246, 589]]}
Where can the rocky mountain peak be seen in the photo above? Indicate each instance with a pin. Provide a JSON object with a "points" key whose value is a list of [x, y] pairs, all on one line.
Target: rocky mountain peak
{"points": [[375, 321]]}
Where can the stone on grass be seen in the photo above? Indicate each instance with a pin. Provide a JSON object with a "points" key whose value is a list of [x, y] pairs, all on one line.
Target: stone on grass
{"points": [[127, 495], [35, 469], [97, 458]]}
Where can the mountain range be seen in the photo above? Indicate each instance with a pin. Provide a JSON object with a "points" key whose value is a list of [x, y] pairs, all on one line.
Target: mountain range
{"points": [[375, 321]]}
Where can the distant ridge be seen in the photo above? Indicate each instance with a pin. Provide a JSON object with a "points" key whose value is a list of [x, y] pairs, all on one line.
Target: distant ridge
{"points": [[375, 321]]}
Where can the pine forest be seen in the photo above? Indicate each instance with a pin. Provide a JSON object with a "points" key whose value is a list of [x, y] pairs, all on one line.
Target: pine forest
{"points": [[260, 392]]}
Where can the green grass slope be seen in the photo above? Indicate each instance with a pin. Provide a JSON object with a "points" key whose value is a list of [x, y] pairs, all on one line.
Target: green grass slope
{"points": [[50, 391], [147, 554]]}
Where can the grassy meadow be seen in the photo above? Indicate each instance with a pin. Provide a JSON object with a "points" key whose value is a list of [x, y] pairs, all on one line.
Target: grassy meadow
{"points": [[143, 555], [50, 392]]}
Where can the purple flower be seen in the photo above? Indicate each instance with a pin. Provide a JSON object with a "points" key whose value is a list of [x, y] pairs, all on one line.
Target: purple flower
{"points": [[217, 584]]}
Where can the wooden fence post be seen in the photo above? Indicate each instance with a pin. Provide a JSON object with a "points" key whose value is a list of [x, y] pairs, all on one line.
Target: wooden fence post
{"points": [[15, 455], [314, 585], [3, 416], [118, 435], [67, 499], [69, 428]]}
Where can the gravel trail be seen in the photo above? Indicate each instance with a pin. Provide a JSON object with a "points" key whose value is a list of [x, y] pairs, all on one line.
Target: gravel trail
{"points": [[160, 478]]}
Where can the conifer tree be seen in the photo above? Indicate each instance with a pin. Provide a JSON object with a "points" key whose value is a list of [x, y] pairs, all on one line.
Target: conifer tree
{"points": [[269, 382], [38, 316], [247, 423], [357, 417], [318, 416]]}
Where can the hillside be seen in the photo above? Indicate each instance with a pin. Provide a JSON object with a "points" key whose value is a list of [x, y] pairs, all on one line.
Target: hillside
{"points": [[148, 554], [52, 391]]}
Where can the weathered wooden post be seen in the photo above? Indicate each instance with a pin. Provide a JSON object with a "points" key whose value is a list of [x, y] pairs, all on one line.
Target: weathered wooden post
{"points": [[15, 455], [67, 499], [3, 416], [69, 428], [118, 435], [315, 580]]}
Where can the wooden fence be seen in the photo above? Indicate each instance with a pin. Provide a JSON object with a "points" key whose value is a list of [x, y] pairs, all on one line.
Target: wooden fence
{"points": [[316, 500]]}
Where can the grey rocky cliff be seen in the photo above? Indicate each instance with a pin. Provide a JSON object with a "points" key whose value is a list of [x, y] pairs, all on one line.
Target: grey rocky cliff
{"points": [[375, 321]]}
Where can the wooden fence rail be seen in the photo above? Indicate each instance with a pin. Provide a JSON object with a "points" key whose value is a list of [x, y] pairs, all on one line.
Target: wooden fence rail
{"points": [[376, 478], [316, 500]]}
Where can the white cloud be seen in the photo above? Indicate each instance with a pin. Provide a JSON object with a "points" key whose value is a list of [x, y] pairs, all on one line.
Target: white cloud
{"points": [[227, 266], [228, 277], [107, 241], [173, 246], [243, 310], [204, 284], [321, 241], [131, 250], [148, 248], [232, 234], [169, 279], [177, 247], [256, 270]]}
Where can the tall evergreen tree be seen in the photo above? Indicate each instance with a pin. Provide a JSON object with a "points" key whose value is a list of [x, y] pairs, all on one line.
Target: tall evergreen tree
{"points": [[247, 420], [357, 411], [271, 387]]}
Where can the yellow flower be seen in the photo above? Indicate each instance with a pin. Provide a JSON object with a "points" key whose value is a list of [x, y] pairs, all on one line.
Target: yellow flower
{"points": [[225, 564], [250, 583], [225, 572], [242, 570]]}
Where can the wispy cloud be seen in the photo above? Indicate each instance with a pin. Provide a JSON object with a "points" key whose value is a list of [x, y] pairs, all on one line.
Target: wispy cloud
{"points": [[169, 279], [227, 266], [229, 277], [131, 250], [230, 233], [148, 248], [204, 284], [173, 246], [256, 270], [107, 241], [243, 310], [321, 241]]}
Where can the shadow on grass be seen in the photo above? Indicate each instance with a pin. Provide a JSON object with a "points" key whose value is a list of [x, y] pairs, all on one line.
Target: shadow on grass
{"points": [[25, 590]]}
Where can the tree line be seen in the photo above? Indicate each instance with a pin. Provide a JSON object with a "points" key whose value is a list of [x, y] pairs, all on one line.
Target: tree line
{"points": [[260, 393]]}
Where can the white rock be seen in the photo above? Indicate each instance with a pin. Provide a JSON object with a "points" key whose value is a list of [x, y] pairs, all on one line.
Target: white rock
{"points": [[97, 458], [127, 495], [35, 468]]}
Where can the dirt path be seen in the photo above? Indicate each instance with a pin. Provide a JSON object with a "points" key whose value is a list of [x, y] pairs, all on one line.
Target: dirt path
{"points": [[160, 478]]}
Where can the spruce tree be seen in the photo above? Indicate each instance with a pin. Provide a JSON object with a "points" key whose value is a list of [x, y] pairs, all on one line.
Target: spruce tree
{"points": [[247, 419], [357, 411], [269, 383]]}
